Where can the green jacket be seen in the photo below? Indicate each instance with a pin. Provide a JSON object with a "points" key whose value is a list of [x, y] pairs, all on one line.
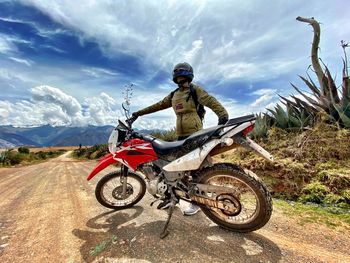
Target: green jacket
{"points": [[187, 119]]}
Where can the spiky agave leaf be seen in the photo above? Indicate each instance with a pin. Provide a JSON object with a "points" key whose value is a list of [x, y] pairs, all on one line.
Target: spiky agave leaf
{"points": [[309, 99], [281, 117], [304, 105], [263, 123], [343, 110], [312, 86], [333, 92]]}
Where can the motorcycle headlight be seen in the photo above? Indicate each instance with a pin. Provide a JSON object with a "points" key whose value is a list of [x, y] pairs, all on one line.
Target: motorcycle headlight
{"points": [[116, 138]]}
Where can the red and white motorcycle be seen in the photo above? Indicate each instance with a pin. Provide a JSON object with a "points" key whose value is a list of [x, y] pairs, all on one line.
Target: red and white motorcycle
{"points": [[232, 197]]}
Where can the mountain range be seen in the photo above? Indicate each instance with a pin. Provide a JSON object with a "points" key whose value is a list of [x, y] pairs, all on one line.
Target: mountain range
{"points": [[48, 135]]}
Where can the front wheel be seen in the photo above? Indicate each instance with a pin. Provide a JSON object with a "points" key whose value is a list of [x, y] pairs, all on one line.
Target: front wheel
{"points": [[244, 191], [112, 192]]}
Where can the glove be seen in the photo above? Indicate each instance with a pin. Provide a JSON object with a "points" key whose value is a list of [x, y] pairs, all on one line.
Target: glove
{"points": [[223, 120], [133, 118]]}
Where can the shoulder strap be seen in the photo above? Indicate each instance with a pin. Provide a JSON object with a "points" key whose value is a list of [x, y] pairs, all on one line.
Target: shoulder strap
{"points": [[193, 94], [172, 93]]}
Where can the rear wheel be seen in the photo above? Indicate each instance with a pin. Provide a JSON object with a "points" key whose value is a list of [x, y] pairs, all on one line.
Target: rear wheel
{"points": [[112, 193], [245, 192]]}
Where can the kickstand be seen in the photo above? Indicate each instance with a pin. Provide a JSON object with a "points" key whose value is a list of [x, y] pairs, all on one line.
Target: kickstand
{"points": [[170, 213]]}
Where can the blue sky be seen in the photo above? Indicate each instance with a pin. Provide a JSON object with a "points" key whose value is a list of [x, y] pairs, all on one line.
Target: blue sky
{"points": [[67, 62]]}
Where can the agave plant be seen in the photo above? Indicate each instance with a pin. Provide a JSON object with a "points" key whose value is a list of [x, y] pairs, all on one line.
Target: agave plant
{"points": [[263, 123], [324, 98], [293, 118]]}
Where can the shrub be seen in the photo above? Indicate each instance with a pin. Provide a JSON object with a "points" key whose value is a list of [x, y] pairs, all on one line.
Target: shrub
{"points": [[24, 150], [14, 158], [168, 135], [314, 192], [94, 152]]}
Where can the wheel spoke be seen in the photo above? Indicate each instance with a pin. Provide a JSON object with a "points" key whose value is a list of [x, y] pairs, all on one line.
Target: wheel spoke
{"points": [[112, 192]]}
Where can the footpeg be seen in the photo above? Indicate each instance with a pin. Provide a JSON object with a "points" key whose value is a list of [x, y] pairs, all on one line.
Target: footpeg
{"points": [[164, 205]]}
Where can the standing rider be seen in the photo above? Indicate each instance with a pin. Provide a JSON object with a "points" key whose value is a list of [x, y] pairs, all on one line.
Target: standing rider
{"points": [[186, 101]]}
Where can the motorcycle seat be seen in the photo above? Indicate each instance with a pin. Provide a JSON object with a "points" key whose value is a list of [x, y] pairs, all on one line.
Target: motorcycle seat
{"points": [[161, 147], [173, 150], [240, 120], [178, 148]]}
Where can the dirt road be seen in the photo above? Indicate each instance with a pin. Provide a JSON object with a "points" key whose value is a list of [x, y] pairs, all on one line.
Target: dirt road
{"points": [[48, 213]]}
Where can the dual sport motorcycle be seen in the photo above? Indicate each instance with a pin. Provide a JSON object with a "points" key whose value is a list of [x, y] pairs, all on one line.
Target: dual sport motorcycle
{"points": [[232, 197]]}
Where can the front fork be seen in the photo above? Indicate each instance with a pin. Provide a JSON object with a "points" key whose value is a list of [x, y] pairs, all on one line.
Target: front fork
{"points": [[124, 180]]}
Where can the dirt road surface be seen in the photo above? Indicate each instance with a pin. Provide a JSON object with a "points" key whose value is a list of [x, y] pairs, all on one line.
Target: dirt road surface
{"points": [[48, 213]]}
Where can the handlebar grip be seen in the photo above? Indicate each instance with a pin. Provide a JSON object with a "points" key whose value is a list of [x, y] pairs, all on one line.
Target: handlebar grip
{"points": [[136, 135]]}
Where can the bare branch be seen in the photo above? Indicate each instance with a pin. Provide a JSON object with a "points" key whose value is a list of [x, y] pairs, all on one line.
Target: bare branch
{"points": [[314, 52]]}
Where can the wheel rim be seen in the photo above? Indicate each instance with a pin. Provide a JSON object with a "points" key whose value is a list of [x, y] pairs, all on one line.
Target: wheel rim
{"points": [[249, 205], [111, 191]]}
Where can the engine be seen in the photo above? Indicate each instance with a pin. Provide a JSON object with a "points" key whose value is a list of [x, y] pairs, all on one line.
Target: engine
{"points": [[155, 183]]}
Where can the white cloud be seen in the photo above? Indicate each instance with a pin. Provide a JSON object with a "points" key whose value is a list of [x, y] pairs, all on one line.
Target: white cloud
{"points": [[5, 108], [13, 75], [98, 72], [263, 100], [58, 50], [51, 105], [266, 91], [266, 98], [6, 46], [26, 62], [245, 41], [51, 95], [196, 47], [228, 41]]}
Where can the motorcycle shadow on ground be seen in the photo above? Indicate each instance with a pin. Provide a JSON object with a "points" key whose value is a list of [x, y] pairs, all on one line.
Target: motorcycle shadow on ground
{"points": [[129, 234]]}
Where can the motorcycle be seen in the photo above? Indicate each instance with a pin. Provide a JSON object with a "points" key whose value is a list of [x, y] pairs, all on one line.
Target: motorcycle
{"points": [[234, 198]]}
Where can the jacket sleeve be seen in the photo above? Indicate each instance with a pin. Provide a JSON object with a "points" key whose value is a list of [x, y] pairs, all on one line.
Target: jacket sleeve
{"points": [[209, 101], [161, 105]]}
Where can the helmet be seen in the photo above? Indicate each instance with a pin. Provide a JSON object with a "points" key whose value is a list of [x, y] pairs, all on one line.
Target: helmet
{"points": [[183, 70]]}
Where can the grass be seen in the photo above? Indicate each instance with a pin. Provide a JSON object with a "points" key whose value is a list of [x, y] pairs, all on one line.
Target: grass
{"points": [[94, 152], [105, 244], [329, 216]]}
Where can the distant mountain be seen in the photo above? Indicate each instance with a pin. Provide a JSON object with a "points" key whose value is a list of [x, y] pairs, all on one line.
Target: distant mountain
{"points": [[9, 139], [87, 137], [6, 145], [48, 135]]}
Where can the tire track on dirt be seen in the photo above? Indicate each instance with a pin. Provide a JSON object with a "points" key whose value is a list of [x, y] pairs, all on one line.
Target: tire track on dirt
{"points": [[55, 218], [29, 213]]}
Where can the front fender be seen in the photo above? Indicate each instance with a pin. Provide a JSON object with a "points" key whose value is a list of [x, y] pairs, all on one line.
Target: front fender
{"points": [[102, 164]]}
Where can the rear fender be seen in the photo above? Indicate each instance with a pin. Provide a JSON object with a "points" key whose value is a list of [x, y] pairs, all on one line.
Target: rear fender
{"points": [[106, 161]]}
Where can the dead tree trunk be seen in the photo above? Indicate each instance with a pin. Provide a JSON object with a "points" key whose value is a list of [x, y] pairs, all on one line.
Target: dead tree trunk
{"points": [[314, 55]]}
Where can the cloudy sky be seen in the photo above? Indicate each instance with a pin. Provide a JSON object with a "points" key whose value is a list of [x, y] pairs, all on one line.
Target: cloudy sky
{"points": [[67, 62]]}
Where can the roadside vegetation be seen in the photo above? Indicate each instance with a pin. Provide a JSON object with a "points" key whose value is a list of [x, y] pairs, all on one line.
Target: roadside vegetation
{"points": [[310, 166], [330, 216], [168, 135], [309, 135], [94, 152], [23, 155]]}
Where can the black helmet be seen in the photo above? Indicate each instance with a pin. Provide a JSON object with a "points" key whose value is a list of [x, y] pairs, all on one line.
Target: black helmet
{"points": [[183, 70]]}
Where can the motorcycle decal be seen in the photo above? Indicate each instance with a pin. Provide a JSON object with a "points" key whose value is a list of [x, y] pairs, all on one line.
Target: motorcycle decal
{"points": [[142, 152], [102, 164]]}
